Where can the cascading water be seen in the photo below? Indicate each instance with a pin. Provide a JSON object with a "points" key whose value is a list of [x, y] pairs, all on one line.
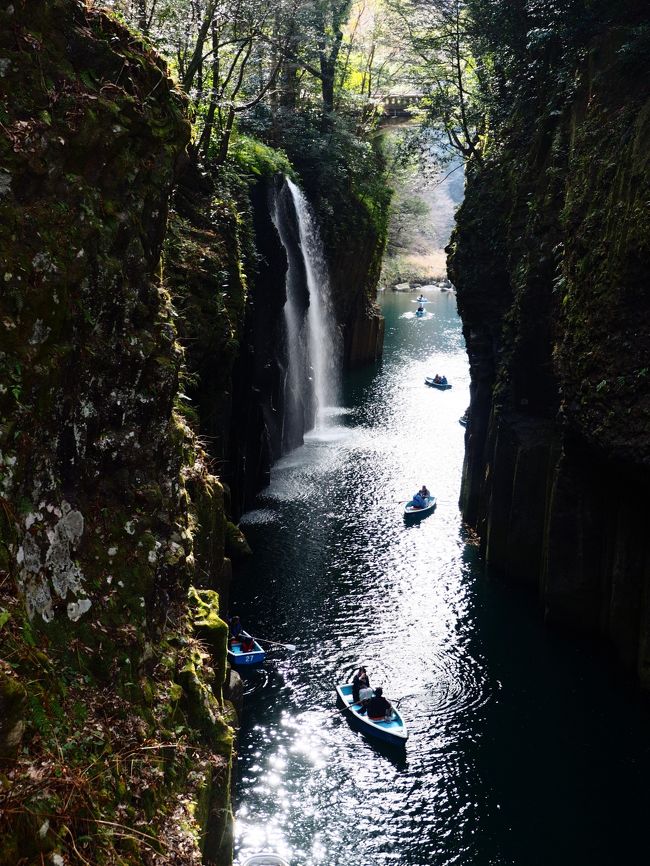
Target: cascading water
{"points": [[313, 345], [322, 332]]}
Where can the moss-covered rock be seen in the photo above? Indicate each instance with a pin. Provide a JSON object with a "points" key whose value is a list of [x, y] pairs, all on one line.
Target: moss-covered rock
{"points": [[103, 485], [204, 605], [13, 701]]}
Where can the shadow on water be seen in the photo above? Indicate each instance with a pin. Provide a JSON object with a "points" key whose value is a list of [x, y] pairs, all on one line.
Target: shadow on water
{"points": [[524, 748]]}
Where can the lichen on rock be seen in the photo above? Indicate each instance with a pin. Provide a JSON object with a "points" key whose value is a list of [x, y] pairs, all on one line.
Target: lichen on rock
{"points": [[97, 524]]}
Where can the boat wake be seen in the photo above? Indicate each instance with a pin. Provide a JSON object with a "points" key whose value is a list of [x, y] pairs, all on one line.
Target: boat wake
{"points": [[410, 315]]}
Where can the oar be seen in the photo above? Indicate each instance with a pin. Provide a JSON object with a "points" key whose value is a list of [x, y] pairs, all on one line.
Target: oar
{"points": [[288, 646], [404, 697]]}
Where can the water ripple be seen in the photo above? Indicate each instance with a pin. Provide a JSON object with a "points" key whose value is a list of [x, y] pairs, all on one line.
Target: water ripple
{"points": [[337, 572]]}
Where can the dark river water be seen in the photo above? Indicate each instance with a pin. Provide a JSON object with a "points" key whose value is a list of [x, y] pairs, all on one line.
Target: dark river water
{"points": [[524, 748]]}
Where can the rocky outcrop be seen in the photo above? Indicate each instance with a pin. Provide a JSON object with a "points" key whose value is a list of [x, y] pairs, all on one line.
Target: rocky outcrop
{"points": [[550, 260], [115, 741], [226, 267], [355, 263]]}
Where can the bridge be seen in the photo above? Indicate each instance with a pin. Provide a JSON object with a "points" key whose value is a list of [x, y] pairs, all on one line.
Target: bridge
{"points": [[400, 104]]}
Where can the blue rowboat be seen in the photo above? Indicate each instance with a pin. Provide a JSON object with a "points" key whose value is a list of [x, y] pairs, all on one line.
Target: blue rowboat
{"points": [[412, 512], [441, 386], [393, 731], [239, 658], [265, 860]]}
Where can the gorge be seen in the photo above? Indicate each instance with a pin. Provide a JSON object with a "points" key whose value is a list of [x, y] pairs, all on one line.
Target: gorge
{"points": [[190, 251]]}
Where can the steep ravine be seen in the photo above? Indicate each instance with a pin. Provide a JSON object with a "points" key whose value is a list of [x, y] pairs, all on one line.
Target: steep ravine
{"points": [[550, 259]]}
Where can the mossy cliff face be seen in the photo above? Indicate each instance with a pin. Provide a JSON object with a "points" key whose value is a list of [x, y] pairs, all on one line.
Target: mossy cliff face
{"points": [[355, 246], [225, 268], [550, 259], [114, 737]]}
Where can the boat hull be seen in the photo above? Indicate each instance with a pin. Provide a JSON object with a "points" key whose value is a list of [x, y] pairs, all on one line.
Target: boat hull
{"points": [[393, 732], [439, 385], [241, 659], [413, 513]]}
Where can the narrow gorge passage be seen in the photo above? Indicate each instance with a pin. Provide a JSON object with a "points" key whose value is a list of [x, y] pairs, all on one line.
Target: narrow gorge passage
{"points": [[522, 749]]}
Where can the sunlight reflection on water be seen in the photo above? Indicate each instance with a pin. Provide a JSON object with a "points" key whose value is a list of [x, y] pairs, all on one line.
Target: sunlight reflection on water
{"points": [[343, 577], [337, 572]]}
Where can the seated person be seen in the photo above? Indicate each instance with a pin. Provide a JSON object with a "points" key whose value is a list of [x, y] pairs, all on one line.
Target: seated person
{"points": [[443, 380], [418, 501], [437, 379], [236, 629], [364, 696], [247, 643], [378, 707], [359, 682], [424, 492]]}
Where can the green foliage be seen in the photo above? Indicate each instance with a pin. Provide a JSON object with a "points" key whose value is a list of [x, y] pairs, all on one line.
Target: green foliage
{"points": [[253, 157]]}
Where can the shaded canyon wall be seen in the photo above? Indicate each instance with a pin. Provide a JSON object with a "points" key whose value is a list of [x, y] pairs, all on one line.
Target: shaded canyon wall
{"points": [[550, 259], [141, 373], [115, 738]]}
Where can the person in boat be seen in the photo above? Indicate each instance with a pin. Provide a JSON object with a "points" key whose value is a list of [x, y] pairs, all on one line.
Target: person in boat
{"points": [[247, 643], [420, 309], [443, 380], [418, 501], [360, 681], [424, 492], [378, 707], [437, 379], [236, 629]]}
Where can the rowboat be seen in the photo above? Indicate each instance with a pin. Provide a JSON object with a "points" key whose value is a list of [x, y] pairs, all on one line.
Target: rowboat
{"points": [[463, 420], [239, 658], [411, 511], [392, 731], [441, 386], [265, 860], [421, 301]]}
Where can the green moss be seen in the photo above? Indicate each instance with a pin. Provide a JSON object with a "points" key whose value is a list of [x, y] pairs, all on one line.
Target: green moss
{"points": [[258, 159], [90, 366], [204, 605], [236, 545]]}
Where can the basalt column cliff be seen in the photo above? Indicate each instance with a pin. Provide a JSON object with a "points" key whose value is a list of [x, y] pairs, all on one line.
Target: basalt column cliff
{"points": [[551, 258]]}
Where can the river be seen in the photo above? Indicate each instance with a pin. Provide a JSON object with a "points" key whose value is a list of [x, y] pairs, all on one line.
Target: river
{"points": [[524, 747]]}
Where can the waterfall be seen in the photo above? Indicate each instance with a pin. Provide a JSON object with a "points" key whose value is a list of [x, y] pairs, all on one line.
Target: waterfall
{"points": [[324, 350], [313, 345]]}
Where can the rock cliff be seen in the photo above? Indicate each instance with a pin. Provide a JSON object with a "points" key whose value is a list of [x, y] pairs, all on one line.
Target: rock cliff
{"points": [[550, 259], [141, 356], [115, 740]]}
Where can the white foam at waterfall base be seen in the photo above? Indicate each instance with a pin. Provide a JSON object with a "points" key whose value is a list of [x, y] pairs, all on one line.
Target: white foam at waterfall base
{"points": [[322, 338]]}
